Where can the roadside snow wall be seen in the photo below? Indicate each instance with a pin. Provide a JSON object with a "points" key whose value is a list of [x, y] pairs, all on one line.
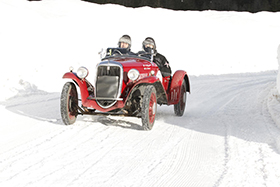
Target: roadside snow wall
{"points": [[278, 75]]}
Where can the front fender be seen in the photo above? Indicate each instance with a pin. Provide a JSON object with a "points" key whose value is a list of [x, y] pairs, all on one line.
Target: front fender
{"points": [[145, 80], [161, 94], [81, 83]]}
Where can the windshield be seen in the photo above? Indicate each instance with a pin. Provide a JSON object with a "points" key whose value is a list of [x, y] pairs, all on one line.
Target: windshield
{"points": [[122, 52]]}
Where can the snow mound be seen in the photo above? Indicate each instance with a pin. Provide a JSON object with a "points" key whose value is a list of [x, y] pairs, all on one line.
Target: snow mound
{"points": [[17, 88], [273, 105]]}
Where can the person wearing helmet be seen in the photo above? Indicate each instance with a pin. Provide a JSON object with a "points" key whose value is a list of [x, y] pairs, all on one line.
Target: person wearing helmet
{"points": [[123, 48], [125, 42], [149, 46]]}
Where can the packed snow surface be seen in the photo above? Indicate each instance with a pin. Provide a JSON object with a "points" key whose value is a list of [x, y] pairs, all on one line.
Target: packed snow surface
{"points": [[229, 135]]}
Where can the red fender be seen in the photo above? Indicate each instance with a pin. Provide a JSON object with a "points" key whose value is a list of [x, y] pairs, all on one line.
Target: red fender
{"points": [[146, 80], [175, 87], [82, 84]]}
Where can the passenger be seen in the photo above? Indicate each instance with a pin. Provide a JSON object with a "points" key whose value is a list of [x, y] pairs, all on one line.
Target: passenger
{"points": [[160, 60]]}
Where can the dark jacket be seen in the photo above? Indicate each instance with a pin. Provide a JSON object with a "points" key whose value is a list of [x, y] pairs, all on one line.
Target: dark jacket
{"points": [[162, 64], [159, 60]]}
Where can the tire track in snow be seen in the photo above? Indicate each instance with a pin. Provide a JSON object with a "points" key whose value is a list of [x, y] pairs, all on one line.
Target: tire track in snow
{"points": [[27, 150], [54, 141], [22, 150], [174, 175], [73, 150], [103, 150], [256, 149], [170, 160], [174, 162], [138, 154], [210, 146], [161, 165]]}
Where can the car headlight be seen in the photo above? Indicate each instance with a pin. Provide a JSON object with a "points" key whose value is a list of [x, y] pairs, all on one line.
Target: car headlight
{"points": [[82, 72], [133, 74]]}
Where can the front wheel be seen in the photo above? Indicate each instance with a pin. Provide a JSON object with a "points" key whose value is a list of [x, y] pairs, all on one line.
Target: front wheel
{"points": [[149, 107], [179, 108], [69, 103]]}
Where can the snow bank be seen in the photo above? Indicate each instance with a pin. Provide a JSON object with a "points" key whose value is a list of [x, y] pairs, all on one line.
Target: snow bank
{"points": [[273, 105], [278, 76]]}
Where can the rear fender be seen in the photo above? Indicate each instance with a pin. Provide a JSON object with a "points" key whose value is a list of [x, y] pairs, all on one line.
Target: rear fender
{"points": [[175, 87], [80, 82]]}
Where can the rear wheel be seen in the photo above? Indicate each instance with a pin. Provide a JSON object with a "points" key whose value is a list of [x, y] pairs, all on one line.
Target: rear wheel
{"points": [[69, 103], [149, 107], [179, 108]]}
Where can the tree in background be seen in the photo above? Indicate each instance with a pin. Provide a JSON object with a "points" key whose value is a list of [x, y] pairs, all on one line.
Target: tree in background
{"points": [[220, 5]]}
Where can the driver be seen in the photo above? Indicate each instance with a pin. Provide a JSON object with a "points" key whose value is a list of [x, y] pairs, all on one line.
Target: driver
{"points": [[124, 45], [160, 60], [125, 42], [123, 48]]}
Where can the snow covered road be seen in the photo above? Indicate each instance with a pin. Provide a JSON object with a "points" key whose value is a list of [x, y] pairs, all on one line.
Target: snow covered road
{"points": [[229, 135], [226, 138], [236, 110]]}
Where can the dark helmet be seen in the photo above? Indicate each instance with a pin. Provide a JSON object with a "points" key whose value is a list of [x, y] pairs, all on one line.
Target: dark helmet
{"points": [[151, 41], [125, 39]]}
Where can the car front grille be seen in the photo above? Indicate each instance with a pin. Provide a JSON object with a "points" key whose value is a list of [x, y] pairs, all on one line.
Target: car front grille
{"points": [[108, 84], [108, 70]]}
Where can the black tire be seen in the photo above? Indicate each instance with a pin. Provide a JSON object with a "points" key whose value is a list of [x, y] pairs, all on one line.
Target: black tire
{"points": [[149, 107], [179, 108], [69, 103]]}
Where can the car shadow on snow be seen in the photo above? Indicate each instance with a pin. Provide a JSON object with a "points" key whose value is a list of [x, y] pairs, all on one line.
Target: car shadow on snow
{"points": [[44, 106], [238, 109], [123, 122]]}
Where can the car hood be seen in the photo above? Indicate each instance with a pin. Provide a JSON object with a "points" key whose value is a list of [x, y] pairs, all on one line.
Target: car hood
{"points": [[129, 63]]}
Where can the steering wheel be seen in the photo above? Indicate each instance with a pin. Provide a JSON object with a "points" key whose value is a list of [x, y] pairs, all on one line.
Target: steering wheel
{"points": [[117, 51]]}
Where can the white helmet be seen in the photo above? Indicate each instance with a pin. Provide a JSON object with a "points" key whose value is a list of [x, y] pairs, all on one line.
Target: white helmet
{"points": [[125, 39], [150, 41]]}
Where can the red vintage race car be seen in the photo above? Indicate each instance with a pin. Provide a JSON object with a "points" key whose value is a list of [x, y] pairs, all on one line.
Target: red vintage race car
{"points": [[125, 84]]}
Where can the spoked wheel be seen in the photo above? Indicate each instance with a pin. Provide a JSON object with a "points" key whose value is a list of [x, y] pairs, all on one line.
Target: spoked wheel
{"points": [[149, 107], [179, 108], [69, 103]]}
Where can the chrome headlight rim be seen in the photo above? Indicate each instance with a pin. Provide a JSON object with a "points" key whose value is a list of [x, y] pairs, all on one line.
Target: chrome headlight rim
{"points": [[133, 74], [82, 72]]}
